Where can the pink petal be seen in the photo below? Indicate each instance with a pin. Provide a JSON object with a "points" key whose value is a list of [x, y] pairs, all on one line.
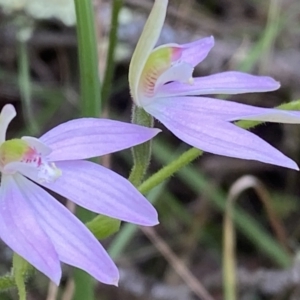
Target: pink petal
{"points": [[74, 243], [20, 230], [221, 83], [100, 190], [217, 109], [214, 135], [195, 52], [89, 137]]}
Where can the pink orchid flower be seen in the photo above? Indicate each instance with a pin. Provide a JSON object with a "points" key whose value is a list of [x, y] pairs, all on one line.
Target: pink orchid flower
{"points": [[161, 83], [37, 226]]}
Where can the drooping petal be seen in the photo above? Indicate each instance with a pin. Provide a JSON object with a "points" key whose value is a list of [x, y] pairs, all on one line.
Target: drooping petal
{"points": [[100, 190], [145, 45], [73, 242], [195, 52], [20, 230], [214, 135], [89, 137], [222, 83], [8, 112]]}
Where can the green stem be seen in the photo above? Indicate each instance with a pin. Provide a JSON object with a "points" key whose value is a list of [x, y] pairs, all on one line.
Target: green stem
{"points": [[84, 286], [141, 153], [19, 271], [169, 170], [88, 59], [110, 62]]}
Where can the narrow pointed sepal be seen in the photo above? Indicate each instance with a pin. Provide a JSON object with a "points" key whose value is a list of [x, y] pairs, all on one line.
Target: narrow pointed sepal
{"points": [[100, 190], [217, 109], [20, 230], [221, 83], [74, 243], [213, 134], [90, 137]]}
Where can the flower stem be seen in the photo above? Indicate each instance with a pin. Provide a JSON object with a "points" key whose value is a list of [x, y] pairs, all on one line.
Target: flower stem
{"points": [[169, 170], [20, 267], [141, 153]]}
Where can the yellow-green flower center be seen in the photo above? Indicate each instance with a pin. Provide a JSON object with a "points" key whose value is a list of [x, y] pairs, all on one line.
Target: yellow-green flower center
{"points": [[15, 150], [158, 62], [18, 154]]}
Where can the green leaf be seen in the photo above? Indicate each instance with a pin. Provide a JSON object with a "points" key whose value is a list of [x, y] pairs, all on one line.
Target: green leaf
{"points": [[103, 227], [90, 95]]}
